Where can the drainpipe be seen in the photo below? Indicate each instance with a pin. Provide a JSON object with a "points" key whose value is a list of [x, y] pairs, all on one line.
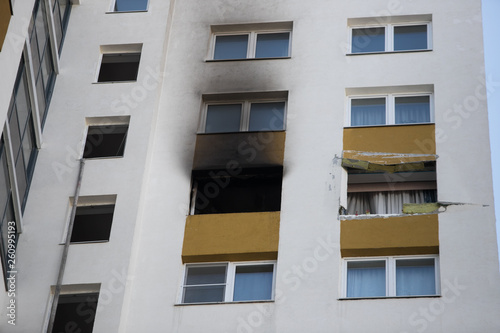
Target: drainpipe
{"points": [[64, 256]]}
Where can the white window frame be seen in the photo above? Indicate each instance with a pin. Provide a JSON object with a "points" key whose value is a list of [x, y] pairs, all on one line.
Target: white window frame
{"points": [[230, 278], [245, 112], [390, 107], [389, 36], [252, 43], [390, 274]]}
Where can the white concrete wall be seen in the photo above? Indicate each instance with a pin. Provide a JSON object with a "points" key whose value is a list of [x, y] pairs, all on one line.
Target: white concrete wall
{"points": [[152, 180]]}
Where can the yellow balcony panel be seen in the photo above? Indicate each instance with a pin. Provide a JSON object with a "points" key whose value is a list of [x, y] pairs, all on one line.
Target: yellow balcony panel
{"points": [[245, 149], [390, 144], [231, 237], [5, 13], [401, 235]]}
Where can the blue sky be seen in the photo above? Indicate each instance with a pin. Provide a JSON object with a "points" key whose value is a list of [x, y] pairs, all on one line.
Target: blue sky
{"points": [[491, 25]]}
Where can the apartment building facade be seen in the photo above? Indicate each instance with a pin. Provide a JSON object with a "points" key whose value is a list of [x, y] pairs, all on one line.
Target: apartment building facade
{"points": [[234, 166]]}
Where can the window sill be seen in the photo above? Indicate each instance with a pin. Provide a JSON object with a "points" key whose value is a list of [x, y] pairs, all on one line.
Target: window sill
{"points": [[386, 297], [111, 82], [377, 216], [221, 303], [246, 59], [203, 133], [128, 11], [101, 158], [387, 52], [391, 125], [86, 242]]}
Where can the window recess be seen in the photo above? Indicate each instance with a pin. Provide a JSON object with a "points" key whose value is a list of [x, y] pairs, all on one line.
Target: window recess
{"points": [[390, 109], [105, 141], [121, 6], [76, 311], [242, 191], [251, 41], [386, 193], [391, 276], [390, 34], [228, 282], [243, 116]]}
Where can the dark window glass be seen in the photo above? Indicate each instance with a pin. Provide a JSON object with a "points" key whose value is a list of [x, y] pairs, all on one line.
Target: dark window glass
{"points": [[231, 47], [267, 116], [253, 190], [75, 313], [368, 40], [119, 67], [130, 5], [272, 45], [92, 223], [412, 37], [223, 118], [205, 284], [105, 141]]}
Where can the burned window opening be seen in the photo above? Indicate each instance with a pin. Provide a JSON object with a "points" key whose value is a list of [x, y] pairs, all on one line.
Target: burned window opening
{"points": [[76, 311], [105, 141], [92, 223], [385, 193], [228, 191]]}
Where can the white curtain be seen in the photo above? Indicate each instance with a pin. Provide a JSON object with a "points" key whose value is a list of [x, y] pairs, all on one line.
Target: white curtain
{"points": [[384, 202], [366, 282], [415, 280]]}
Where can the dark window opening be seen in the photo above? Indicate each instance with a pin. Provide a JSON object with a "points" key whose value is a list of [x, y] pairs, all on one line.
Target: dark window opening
{"points": [[75, 313], [249, 190], [92, 223], [105, 141], [119, 67]]}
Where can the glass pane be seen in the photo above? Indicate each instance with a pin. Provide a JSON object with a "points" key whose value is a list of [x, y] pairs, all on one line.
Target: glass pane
{"points": [[272, 45], [22, 100], [368, 40], [57, 22], [22, 182], [15, 134], [367, 111], [28, 146], [410, 110], [203, 294], [130, 5], [231, 47], [415, 277], [34, 52], [253, 283], [267, 116], [41, 27], [366, 278], [40, 91], [206, 275], [223, 118], [410, 38], [4, 180]]}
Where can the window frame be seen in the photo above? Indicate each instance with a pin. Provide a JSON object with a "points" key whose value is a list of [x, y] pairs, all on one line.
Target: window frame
{"points": [[390, 275], [230, 280], [251, 43], [389, 36], [390, 107], [246, 105]]}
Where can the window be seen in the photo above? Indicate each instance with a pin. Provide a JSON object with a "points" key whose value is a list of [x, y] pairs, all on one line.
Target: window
{"points": [[117, 67], [105, 141], [248, 190], [228, 282], [92, 223], [251, 41], [61, 10], [390, 109], [22, 133], [390, 38], [391, 276], [75, 312], [130, 5], [385, 193], [242, 116]]}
